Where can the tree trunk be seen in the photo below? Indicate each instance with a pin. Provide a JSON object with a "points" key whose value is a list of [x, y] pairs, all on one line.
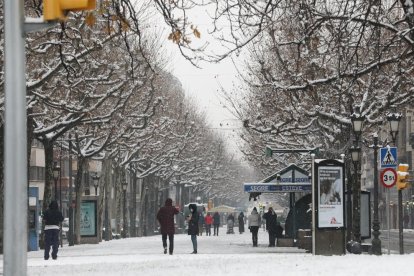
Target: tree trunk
{"points": [[101, 202], [1, 186], [118, 199], [133, 206], [107, 186], [30, 136], [78, 195], [143, 208], [47, 194]]}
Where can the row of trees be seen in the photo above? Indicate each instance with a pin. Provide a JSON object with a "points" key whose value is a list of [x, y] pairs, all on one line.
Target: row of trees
{"points": [[101, 78], [308, 65]]}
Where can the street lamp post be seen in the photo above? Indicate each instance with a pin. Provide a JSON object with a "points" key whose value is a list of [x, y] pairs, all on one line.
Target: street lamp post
{"points": [[357, 123], [124, 188], [394, 120], [376, 242], [56, 172], [356, 193], [95, 179]]}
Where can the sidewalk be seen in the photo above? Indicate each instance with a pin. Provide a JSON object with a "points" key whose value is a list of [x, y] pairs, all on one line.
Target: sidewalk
{"points": [[227, 254]]}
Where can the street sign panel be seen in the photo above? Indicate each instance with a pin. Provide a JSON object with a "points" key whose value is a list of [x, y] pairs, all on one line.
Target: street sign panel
{"points": [[276, 188], [388, 157], [388, 177]]}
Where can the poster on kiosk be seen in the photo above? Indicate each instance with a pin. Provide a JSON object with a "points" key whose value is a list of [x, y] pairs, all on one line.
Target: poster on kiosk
{"points": [[330, 193]]}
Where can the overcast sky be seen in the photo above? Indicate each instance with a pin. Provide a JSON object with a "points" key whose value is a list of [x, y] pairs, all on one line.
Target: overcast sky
{"points": [[204, 84]]}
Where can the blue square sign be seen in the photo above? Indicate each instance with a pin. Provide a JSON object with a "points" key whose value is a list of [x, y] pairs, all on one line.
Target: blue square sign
{"points": [[388, 157]]}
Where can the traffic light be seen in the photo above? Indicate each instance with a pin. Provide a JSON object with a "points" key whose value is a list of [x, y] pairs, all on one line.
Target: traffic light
{"points": [[402, 176], [57, 9]]}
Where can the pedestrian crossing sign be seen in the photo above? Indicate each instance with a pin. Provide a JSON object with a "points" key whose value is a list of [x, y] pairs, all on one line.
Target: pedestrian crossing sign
{"points": [[389, 157]]}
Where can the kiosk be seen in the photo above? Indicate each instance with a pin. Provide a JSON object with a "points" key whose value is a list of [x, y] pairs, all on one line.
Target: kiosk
{"points": [[34, 225]]}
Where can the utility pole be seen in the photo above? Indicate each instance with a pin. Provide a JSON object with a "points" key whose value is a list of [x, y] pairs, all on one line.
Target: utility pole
{"points": [[15, 142]]}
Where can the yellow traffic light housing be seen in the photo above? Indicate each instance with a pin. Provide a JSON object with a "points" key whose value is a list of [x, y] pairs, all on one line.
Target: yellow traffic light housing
{"points": [[402, 176], [57, 9]]}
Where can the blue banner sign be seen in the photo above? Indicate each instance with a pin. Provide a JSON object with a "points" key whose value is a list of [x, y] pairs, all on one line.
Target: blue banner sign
{"points": [[276, 188]]}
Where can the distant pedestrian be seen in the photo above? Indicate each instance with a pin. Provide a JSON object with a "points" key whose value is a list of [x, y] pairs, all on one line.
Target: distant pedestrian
{"points": [[271, 226], [230, 224], [193, 226], [254, 224], [241, 222], [208, 222], [406, 221], [165, 217], [52, 218], [263, 222], [201, 223], [216, 223], [230, 217]]}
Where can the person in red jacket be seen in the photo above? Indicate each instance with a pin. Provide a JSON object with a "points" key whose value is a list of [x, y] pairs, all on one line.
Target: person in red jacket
{"points": [[208, 221], [165, 217]]}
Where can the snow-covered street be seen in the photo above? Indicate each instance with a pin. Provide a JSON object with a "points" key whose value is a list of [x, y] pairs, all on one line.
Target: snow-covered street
{"points": [[223, 255]]}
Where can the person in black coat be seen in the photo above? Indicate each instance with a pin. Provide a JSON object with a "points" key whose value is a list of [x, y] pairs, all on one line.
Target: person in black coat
{"points": [[271, 226], [216, 223], [241, 222], [193, 226], [52, 217]]}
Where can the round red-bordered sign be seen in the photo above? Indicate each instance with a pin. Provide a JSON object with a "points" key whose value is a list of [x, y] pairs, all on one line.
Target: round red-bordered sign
{"points": [[388, 177]]}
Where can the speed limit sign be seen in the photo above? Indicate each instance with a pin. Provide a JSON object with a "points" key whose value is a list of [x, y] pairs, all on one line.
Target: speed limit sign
{"points": [[388, 177]]}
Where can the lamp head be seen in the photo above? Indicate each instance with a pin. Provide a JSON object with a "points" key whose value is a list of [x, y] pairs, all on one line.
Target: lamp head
{"points": [[357, 123], [56, 171], [394, 120]]}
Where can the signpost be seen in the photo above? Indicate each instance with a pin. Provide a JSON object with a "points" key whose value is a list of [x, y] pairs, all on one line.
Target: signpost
{"points": [[388, 157], [274, 188], [388, 177]]}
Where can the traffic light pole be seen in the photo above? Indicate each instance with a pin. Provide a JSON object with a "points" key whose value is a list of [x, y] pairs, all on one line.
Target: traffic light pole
{"points": [[400, 222], [15, 142]]}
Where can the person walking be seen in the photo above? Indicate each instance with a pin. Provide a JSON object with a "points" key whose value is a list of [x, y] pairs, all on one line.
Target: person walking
{"points": [[208, 222], [230, 224], [253, 221], [271, 226], [216, 223], [240, 218], [201, 223], [52, 217], [193, 226], [165, 217], [406, 220]]}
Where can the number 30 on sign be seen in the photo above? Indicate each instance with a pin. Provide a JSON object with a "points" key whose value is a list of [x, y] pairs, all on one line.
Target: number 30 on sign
{"points": [[388, 177]]}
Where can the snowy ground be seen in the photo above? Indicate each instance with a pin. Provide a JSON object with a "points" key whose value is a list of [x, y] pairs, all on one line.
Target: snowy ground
{"points": [[228, 255]]}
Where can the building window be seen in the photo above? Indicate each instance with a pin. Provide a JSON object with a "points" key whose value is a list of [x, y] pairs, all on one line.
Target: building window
{"points": [[37, 173]]}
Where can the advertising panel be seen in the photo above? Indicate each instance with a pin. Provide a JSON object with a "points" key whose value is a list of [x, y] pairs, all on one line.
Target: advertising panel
{"points": [[88, 218], [331, 197]]}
